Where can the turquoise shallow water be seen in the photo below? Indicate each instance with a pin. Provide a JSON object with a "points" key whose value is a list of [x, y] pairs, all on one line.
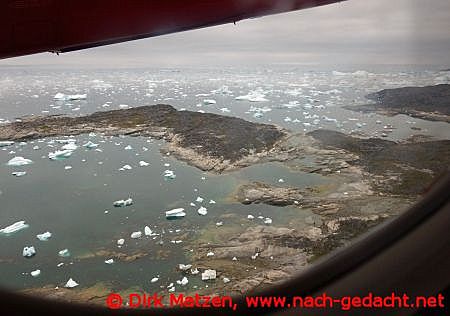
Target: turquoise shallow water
{"points": [[71, 204]]}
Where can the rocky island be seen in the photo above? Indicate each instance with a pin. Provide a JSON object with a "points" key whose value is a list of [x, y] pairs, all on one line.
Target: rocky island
{"points": [[428, 103]]}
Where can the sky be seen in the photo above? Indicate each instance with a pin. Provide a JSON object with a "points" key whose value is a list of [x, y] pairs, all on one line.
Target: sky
{"points": [[384, 32]]}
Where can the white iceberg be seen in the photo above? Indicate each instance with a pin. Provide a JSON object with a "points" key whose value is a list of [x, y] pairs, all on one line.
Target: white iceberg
{"points": [[123, 203], [267, 221], [175, 213], [209, 101], [109, 261], [154, 280], [69, 146], [6, 143], [210, 254], [60, 154], [250, 216], [19, 161], [202, 211], [19, 173], [126, 167], [183, 281], [169, 174], [44, 236], [199, 199], [69, 97], [209, 274], [226, 280], [71, 283], [120, 241], [218, 224], [194, 271], [14, 228], [90, 145], [136, 235], [143, 163], [147, 231], [28, 252], [184, 267], [64, 253], [35, 273]]}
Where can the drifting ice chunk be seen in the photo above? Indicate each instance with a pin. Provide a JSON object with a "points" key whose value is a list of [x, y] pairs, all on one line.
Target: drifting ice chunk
{"points": [[202, 211], [209, 101], [143, 163], [154, 280], [69, 146], [183, 281], [19, 173], [218, 224], [212, 202], [267, 221], [175, 213], [123, 203], [19, 161], [169, 174], [250, 216], [60, 154], [225, 110], [199, 199], [28, 252], [184, 267], [71, 283], [64, 253], [14, 228], [123, 106], [194, 271], [109, 261], [147, 231], [6, 143], [121, 241], [253, 96], [136, 235], [126, 167], [210, 254], [67, 167], [209, 275], [90, 145], [44, 236], [226, 280], [35, 273]]}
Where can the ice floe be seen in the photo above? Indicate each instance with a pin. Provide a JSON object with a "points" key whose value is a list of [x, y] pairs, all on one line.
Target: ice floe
{"points": [[44, 236], [209, 274], [19, 161], [143, 163], [11, 229], [169, 174], [60, 154], [28, 252], [19, 173], [175, 213], [71, 283], [6, 143], [109, 261], [64, 253], [123, 203], [35, 273], [147, 231], [202, 211], [69, 97], [120, 241], [253, 96], [90, 145], [184, 267], [183, 281], [136, 235], [154, 280]]}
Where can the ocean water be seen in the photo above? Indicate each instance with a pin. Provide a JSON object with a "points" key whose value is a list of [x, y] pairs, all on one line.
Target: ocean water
{"points": [[76, 204]]}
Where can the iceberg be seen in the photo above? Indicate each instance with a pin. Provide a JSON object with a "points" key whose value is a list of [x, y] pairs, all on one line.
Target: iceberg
{"points": [[19, 161], [199, 199], [109, 261], [136, 235], [253, 96], [143, 163], [64, 253], [126, 167], [44, 236], [267, 221], [175, 213], [6, 143], [210, 254], [28, 252], [60, 154], [209, 274], [250, 216], [90, 145], [35, 273], [69, 146], [154, 280], [14, 228], [209, 101], [169, 174], [120, 241], [147, 231], [226, 280], [202, 211], [123, 203], [184, 267], [71, 283], [19, 173], [183, 281], [71, 97]]}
